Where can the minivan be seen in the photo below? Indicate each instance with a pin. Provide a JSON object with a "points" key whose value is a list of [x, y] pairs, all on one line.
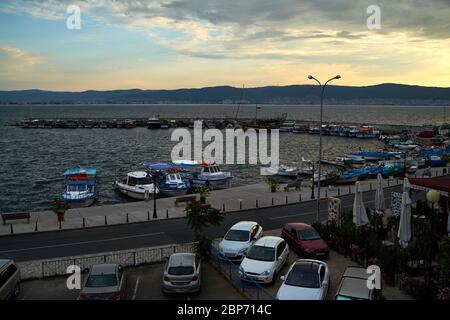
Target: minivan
{"points": [[9, 279]]}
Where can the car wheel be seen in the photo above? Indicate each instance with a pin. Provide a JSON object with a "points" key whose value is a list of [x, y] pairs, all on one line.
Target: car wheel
{"points": [[16, 291]]}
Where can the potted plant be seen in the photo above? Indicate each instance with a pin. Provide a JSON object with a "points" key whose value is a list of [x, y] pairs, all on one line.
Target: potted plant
{"points": [[204, 191], [273, 184], [59, 208]]}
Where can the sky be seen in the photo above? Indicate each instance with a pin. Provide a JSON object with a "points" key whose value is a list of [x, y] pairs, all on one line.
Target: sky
{"points": [[168, 44]]}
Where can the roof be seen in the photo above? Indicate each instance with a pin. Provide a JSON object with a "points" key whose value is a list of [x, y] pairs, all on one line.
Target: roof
{"points": [[306, 266], [88, 171], [243, 225], [299, 226], [158, 166], [138, 174], [354, 287], [268, 241], [182, 259], [104, 268], [441, 184], [356, 272]]}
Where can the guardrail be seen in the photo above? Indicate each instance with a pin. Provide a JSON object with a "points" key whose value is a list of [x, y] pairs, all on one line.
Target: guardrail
{"points": [[129, 258], [250, 288]]}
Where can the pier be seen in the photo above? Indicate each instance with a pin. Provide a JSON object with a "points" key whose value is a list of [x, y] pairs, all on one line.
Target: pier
{"points": [[256, 196]]}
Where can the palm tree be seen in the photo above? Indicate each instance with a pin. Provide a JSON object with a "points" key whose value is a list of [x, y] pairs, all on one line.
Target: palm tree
{"points": [[199, 218]]}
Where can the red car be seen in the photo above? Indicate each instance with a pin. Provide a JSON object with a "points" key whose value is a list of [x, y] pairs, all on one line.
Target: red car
{"points": [[305, 240]]}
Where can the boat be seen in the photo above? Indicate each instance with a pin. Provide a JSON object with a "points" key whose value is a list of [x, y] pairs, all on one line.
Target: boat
{"points": [[373, 156], [169, 179], [137, 185], [437, 161], [351, 176], [444, 130], [202, 173], [130, 124], [80, 189], [287, 126], [153, 123], [283, 171], [298, 128], [353, 131], [354, 159], [314, 129]]}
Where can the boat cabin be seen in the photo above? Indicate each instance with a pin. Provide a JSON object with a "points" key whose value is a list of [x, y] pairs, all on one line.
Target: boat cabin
{"points": [[138, 178]]}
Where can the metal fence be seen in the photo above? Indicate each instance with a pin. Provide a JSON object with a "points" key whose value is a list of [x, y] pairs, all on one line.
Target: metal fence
{"points": [[251, 289], [128, 258]]}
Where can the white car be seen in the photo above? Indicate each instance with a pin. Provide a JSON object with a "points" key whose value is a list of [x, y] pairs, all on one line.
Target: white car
{"points": [[306, 279], [238, 239], [264, 260]]}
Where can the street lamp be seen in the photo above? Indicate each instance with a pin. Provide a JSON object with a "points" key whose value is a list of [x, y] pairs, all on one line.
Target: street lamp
{"points": [[155, 182], [433, 197], [312, 183], [320, 136]]}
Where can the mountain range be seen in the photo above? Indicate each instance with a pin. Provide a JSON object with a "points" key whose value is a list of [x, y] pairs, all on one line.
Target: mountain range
{"points": [[382, 94]]}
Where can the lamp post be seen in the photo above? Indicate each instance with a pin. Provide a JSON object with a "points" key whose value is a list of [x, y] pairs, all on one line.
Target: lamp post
{"points": [[312, 185], [320, 136], [155, 182], [433, 197]]}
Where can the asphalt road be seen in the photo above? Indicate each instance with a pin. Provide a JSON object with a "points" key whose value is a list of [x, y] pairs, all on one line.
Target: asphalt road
{"points": [[46, 245]]}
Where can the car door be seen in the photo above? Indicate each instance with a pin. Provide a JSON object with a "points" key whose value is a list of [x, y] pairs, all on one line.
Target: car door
{"points": [[281, 252]]}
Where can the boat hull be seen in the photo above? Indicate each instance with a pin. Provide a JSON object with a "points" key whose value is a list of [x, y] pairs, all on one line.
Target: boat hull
{"points": [[137, 194], [214, 184]]}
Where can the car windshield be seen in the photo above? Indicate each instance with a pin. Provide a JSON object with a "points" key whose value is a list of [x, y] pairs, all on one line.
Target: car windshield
{"points": [[308, 234], [103, 280], [302, 278], [181, 270], [261, 253], [237, 235]]}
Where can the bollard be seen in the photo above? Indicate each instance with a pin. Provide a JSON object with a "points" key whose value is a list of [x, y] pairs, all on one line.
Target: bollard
{"points": [[256, 203], [106, 220], [60, 225], [397, 180], [371, 186], [339, 192], [128, 220], [223, 207], [272, 201], [349, 189], [35, 226], [148, 215], [326, 193], [389, 180], [287, 200], [240, 204], [167, 213], [11, 227], [299, 197], [84, 223]]}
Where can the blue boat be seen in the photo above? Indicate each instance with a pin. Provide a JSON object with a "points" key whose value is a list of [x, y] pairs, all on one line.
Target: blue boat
{"points": [[434, 152], [80, 189], [373, 156], [351, 176], [437, 161], [170, 181], [200, 173]]}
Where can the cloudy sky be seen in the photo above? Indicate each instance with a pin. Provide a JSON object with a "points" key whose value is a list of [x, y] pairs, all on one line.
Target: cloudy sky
{"points": [[158, 44]]}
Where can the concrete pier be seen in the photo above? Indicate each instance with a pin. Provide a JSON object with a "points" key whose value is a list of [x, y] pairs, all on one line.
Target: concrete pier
{"points": [[229, 200]]}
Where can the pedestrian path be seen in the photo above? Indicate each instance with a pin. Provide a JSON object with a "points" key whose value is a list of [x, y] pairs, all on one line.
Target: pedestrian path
{"points": [[229, 200]]}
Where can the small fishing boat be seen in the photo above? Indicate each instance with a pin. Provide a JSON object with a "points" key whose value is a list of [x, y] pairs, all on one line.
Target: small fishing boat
{"points": [[137, 185], [373, 156], [287, 126], [153, 123], [130, 124], [354, 159], [80, 189], [300, 128], [204, 173], [437, 161], [169, 179], [283, 171]]}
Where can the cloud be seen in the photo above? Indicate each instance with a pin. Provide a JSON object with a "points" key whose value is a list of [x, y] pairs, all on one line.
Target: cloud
{"points": [[15, 59]]}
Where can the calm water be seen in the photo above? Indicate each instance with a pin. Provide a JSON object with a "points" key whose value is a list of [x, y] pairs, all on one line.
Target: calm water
{"points": [[32, 161]]}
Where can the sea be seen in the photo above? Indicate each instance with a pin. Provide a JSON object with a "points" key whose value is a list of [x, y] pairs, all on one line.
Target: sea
{"points": [[33, 161]]}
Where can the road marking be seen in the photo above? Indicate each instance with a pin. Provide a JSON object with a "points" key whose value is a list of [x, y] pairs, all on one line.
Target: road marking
{"points": [[314, 212], [136, 286], [83, 242]]}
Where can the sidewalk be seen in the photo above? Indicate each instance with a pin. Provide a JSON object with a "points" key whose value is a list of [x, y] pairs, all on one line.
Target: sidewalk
{"points": [[228, 200]]}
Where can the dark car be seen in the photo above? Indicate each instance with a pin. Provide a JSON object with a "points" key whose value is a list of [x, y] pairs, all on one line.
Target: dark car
{"points": [[305, 240]]}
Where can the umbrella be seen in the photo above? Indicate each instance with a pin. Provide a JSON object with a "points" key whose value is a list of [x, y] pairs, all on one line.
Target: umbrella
{"points": [[404, 229], [379, 195], [359, 211]]}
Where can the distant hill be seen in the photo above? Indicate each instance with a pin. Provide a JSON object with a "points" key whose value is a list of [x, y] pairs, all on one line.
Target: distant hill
{"points": [[294, 94]]}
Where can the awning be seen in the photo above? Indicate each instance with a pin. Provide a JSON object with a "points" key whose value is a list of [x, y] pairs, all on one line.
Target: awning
{"points": [[440, 184]]}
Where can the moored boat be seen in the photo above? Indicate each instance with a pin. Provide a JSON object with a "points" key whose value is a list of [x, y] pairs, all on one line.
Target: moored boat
{"points": [[137, 185], [153, 123], [204, 173], [169, 179], [80, 189]]}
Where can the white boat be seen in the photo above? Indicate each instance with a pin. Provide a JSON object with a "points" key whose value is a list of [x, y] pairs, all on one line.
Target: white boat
{"points": [[80, 190], [287, 126], [203, 173], [137, 185], [153, 123], [283, 171]]}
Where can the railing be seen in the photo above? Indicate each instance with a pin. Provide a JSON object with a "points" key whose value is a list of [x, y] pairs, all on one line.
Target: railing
{"points": [[130, 258], [250, 288]]}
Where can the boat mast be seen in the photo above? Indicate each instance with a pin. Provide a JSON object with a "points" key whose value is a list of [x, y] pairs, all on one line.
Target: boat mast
{"points": [[240, 101]]}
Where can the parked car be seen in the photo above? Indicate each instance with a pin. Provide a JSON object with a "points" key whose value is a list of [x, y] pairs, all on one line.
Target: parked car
{"points": [[353, 285], [9, 279], [264, 260], [305, 240], [182, 273], [306, 279], [104, 282], [238, 240]]}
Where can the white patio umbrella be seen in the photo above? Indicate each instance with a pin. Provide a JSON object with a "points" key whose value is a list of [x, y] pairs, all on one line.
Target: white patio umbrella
{"points": [[359, 211], [404, 229], [379, 194]]}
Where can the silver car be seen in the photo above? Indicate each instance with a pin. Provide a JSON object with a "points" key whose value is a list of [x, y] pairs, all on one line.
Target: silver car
{"points": [[104, 282], [9, 279], [182, 273]]}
